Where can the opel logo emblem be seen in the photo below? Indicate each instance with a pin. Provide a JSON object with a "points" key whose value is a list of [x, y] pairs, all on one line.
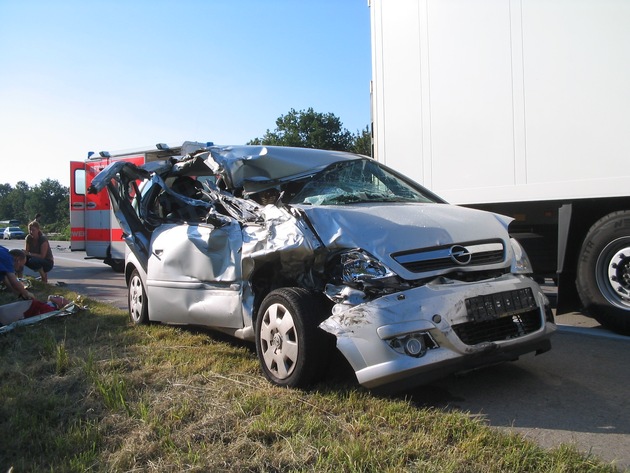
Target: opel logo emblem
{"points": [[460, 255]]}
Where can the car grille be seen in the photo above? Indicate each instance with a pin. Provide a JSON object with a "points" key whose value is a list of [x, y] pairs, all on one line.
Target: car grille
{"points": [[501, 316], [455, 256], [504, 328]]}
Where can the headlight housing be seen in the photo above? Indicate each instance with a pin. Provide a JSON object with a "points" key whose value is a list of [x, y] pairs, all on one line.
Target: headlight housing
{"points": [[360, 267], [520, 263], [357, 276]]}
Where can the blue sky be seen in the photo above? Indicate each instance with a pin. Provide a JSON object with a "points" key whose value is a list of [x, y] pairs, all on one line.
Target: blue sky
{"points": [[92, 75]]}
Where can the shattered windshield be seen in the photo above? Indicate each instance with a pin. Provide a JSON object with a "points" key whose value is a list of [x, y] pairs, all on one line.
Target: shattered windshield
{"points": [[358, 181]]}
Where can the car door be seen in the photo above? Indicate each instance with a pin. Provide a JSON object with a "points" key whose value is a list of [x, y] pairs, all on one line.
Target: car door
{"points": [[194, 274], [121, 180]]}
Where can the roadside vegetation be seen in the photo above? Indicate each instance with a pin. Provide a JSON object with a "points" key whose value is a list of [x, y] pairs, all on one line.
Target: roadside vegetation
{"points": [[48, 198], [90, 392]]}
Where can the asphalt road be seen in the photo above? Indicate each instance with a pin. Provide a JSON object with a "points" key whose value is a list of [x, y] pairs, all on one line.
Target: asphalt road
{"points": [[577, 393]]}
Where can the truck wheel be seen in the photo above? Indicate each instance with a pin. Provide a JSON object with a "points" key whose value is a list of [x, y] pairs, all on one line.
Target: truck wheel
{"points": [[137, 300], [292, 349], [603, 272]]}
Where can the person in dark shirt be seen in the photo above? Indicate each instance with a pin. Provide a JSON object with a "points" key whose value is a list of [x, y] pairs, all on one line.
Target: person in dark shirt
{"points": [[8, 263]]}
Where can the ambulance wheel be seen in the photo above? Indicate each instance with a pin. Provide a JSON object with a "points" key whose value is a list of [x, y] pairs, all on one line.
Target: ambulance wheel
{"points": [[137, 298]]}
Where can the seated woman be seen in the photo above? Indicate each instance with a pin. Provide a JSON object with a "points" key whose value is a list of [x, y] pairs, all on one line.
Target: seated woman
{"points": [[39, 255]]}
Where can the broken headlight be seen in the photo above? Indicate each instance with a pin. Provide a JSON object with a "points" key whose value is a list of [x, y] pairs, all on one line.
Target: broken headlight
{"points": [[360, 267], [358, 276], [520, 263]]}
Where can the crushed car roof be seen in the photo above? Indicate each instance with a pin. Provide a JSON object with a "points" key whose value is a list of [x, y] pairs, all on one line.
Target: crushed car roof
{"points": [[258, 167], [250, 167]]}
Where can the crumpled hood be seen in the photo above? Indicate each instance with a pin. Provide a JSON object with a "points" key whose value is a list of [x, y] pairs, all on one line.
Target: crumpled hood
{"points": [[383, 229]]}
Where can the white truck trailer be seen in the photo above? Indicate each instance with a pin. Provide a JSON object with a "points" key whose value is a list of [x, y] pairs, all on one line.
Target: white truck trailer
{"points": [[521, 107]]}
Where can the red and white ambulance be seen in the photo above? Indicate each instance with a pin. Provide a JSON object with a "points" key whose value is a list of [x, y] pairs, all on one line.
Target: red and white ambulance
{"points": [[93, 227]]}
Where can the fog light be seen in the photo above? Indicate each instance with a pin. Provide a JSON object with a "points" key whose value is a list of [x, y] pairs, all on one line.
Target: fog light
{"points": [[414, 346]]}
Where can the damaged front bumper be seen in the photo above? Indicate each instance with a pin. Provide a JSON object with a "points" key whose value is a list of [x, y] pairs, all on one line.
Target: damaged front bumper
{"points": [[418, 335]]}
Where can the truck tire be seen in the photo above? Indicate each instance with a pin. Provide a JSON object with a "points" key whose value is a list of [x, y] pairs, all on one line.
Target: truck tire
{"points": [[603, 272]]}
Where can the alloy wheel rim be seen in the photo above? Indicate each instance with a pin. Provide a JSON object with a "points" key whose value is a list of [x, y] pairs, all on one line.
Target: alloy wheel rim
{"points": [[278, 339]]}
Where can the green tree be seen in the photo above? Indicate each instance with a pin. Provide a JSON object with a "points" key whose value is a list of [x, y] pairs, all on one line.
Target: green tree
{"points": [[23, 202], [308, 129], [50, 199], [14, 205], [5, 208], [362, 142]]}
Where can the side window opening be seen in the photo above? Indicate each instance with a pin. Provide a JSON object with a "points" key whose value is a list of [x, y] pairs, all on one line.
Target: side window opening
{"points": [[79, 181]]}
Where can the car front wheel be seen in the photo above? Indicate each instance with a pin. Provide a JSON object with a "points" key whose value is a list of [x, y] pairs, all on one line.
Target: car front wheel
{"points": [[137, 298], [292, 349]]}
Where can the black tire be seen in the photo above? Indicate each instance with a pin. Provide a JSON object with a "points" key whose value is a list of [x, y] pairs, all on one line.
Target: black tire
{"points": [[293, 351], [137, 300], [603, 272]]}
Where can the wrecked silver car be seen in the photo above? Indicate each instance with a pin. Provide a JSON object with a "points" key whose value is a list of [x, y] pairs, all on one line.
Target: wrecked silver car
{"points": [[297, 249]]}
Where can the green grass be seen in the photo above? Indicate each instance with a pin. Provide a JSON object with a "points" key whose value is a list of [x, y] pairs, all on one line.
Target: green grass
{"points": [[90, 392]]}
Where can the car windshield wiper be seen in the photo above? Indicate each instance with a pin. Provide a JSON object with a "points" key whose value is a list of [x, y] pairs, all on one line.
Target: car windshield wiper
{"points": [[394, 199]]}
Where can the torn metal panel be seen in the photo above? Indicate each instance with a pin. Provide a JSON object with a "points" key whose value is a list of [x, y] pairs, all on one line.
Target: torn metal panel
{"points": [[281, 237], [122, 171], [258, 167]]}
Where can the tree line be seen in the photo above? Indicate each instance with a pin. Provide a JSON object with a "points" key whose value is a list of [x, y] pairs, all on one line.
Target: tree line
{"points": [[49, 198], [303, 129]]}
